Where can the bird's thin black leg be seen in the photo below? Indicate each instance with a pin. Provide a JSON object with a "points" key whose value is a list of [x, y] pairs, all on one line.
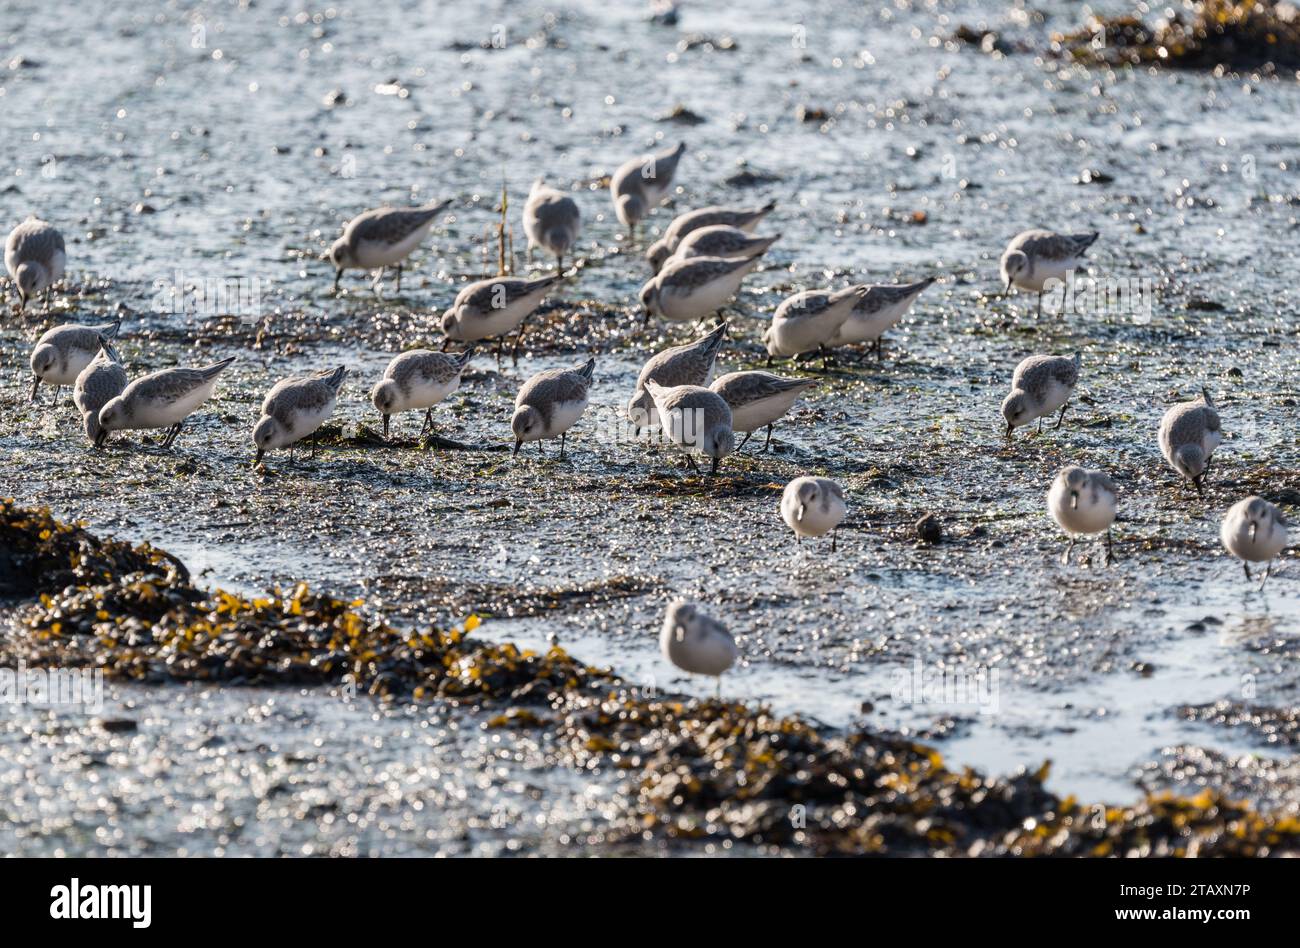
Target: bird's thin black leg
{"points": [[767, 444], [1060, 421], [1065, 559]]}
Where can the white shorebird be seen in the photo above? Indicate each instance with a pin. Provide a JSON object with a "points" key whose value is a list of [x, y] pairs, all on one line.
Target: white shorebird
{"points": [[691, 364], [381, 238], [418, 379], [745, 219], [641, 184], [1083, 503], [1036, 258], [162, 399], [695, 419], [1254, 531], [1189, 433], [295, 408], [697, 643], [758, 400], [551, 220], [102, 380], [720, 240], [62, 352], [808, 320], [813, 507], [1040, 385], [550, 403], [494, 308], [35, 257], [879, 309], [690, 290]]}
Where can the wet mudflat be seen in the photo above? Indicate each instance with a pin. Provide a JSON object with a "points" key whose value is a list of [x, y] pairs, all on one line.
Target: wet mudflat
{"points": [[1116, 674]]}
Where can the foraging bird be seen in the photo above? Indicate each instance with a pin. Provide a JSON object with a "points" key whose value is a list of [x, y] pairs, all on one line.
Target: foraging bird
{"points": [[742, 218], [1189, 433], [418, 379], [720, 240], [1254, 531], [689, 290], [697, 643], [808, 320], [1036, 258], [550, 403], [35, 257], [62, 352], [1083, 503], [641, 184], [494, 307], [813, 507], [758, 399], [295, 408], [551, 220], [691, 364], [879, 309], [381, 238], [162, 399], [698, 420], [1040, 385], [102, 380]]}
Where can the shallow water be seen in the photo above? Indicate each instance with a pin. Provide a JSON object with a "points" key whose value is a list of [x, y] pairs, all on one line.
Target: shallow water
{"points": [[250, 175]]}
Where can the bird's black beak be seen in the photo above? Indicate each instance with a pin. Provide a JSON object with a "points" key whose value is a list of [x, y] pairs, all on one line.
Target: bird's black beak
{"points": [[1007, 289], [1074, 500], [518, 444], [338, 275], [1010, 428], [22, 301], [645, 316], [101, 438], [386, 417], [258, 458], [36, 383], [714, 470]]}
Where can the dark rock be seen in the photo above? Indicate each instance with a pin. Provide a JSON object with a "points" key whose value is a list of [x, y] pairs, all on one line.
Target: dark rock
{"points": [[929, 529]]}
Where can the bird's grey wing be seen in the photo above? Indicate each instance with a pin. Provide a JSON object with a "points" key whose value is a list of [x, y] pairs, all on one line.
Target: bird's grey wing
{"points": [[38, 243], [392, 225]]}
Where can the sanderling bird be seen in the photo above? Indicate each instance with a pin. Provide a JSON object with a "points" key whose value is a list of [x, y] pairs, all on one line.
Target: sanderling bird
{"points": [[62, 352], [1035, 258], [699, 419], [880, 308], [551, 220], [1083, 503], [418, 379], [640, 184], [550, 403], [494, 307], [1189, 433], [809, 320], [691, 364], [813, 507], [697, 643], [720, 240], [381, 238], [162, 399], [1254, 531], [35, 257], [758, 399], [1040, 385], [689, 290], [295, 408], [741, 218], [102, 380]]}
